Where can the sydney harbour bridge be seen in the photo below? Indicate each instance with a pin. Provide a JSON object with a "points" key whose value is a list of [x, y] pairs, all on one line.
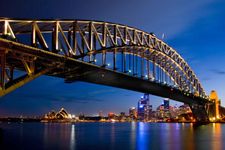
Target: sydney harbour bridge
{"points": [[102, 53]]}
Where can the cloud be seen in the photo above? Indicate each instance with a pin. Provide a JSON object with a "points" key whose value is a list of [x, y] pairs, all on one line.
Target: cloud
{"points": [[217, 71], [62, 95], [206, 79]]}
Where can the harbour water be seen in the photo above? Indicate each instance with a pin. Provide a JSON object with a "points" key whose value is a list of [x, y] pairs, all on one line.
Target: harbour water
{"points": [[110, 136]]}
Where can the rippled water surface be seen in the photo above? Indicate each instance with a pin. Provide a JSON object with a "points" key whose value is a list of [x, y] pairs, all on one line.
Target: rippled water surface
{"points": [[108, 136]]}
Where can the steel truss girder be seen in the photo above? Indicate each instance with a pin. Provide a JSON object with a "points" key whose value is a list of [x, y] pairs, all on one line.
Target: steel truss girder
{"points": [[8, 82], [170, 68], [23, 81], [80, 37]]}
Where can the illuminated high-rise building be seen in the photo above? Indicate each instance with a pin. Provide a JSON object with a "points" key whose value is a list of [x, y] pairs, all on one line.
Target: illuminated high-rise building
{"points": [[166, 104], [133, 113], [122, 114], [144, 108]]}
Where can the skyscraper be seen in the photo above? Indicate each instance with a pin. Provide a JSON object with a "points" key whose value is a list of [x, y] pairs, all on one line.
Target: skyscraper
{"points": [[166, 108], [133, 113], [144, 108], [166, 104]]}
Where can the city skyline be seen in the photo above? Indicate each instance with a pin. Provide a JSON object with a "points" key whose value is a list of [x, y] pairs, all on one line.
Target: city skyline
{"points": [[143, 106], [191, 36]]}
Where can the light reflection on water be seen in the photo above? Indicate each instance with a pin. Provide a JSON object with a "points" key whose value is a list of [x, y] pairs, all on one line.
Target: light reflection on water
{"points": [[111, 136], [141, 133], [216, 136], [72, 137], [133, 135]]}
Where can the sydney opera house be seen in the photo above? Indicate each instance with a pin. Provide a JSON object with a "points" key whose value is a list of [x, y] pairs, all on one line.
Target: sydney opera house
{"points": [[61, 115]]}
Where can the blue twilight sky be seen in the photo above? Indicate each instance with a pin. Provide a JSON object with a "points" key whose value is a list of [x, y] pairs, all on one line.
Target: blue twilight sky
{"points": [[196, 29]]}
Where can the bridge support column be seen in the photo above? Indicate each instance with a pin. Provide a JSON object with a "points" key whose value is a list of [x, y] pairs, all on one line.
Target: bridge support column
{"points": [[2, 68], [199, 112], [214, 107]]}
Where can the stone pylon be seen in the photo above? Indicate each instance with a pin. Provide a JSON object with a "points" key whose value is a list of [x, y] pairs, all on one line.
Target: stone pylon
{"points": [[214, 97]]}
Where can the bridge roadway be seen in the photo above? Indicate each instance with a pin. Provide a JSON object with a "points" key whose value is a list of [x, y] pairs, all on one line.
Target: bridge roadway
{"points": [[72, 70]]}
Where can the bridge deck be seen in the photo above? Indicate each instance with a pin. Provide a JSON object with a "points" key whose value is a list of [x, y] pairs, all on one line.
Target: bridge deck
{"points": [[73, 70]]}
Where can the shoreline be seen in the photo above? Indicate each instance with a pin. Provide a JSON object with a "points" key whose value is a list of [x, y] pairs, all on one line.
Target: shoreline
{"points": [[92, 121]]}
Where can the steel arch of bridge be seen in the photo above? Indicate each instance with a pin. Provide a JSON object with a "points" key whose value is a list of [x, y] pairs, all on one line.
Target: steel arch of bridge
{"points": [[85, 39]]}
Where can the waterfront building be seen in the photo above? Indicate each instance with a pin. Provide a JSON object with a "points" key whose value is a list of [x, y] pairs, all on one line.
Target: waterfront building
{"points": [[160, 111], [173, 112], [60, 115], [112, 115], [122, 114], [133, 113], [184, 109], [163, 111], [166, 104], [144, 108]]}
